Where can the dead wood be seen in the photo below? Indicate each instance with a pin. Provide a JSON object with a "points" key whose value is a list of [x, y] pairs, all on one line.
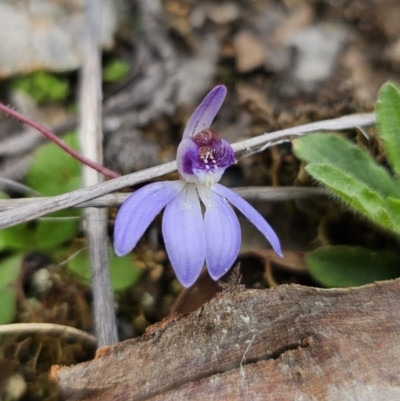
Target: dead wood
{"points": [[287, 343]]}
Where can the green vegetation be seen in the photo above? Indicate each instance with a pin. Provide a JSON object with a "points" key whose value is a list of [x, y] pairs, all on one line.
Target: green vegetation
{"points": [[115, 70], [42, 86], [371, 190], [123, 270]]}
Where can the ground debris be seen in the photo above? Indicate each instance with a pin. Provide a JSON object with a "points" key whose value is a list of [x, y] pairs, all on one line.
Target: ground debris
{"points": [[45, 34]]}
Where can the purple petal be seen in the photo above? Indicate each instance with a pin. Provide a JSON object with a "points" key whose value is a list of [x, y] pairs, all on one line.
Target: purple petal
{"points": [[183, 231], [186, 154], [223, 234], [139, 210], [251, 214], [204, 115]]}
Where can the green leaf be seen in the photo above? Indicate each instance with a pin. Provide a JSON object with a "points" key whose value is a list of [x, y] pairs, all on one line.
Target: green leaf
{"points": [[43, 86], [15, 238], [40, 235], [49, 234], [9, 270], [338, 152], [345, 266], [53, 172], [123, 270], [115, 70], [358, 195], [8, 299], [393, 207], [388, 119]]}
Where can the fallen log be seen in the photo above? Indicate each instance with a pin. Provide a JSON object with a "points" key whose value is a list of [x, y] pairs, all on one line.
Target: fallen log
{"points": [[287, 343]]}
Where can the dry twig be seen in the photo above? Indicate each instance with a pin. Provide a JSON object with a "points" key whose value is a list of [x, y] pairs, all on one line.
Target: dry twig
{"points": [[270, 194], [48, 329], [242, 149], [91, 138]]}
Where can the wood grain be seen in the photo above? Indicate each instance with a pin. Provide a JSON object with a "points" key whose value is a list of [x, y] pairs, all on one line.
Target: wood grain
{"points": [[287, 343]]}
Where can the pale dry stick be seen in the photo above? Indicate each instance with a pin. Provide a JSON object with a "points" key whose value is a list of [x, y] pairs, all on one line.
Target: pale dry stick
{"points": [[270, 194], [48, 329], [91, 140], [276, 194], [262, 142], [242, 149]]}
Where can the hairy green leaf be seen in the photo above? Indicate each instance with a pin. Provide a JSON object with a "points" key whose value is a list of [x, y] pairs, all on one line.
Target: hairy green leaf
{"points": [[338, 152], [388, 119], [358, 195], [393, 207]]}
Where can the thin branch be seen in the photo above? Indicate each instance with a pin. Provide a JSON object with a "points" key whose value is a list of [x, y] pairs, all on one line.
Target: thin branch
{"points": [[270, 194], [275, 194], [26, 120], [91, 140], [242, 149], [47, 328], [262, 142]]}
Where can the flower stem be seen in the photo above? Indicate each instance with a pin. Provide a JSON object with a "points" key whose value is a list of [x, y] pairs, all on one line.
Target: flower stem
{"points": [[90, 163]]}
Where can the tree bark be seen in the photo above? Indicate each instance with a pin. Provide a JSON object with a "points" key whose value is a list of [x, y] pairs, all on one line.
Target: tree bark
{"points": [[287, 343]]}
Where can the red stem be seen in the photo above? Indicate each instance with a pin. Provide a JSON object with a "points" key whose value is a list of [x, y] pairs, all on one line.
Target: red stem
{"points": [[98, 167]]}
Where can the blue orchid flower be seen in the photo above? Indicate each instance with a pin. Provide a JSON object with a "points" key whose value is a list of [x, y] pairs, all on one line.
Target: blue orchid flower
{"points": [[192, 237]]}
